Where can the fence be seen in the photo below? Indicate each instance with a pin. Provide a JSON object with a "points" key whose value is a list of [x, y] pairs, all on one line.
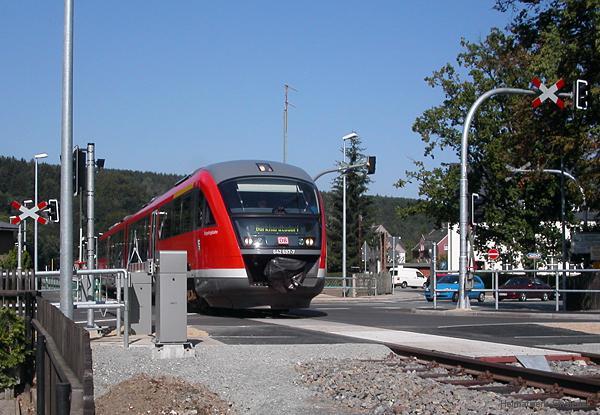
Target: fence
{"points": [[362, 284], [557, 282], [63, 363]]}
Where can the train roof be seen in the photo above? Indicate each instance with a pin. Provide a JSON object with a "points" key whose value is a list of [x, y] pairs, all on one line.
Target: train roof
{"points": [[239, 168]]}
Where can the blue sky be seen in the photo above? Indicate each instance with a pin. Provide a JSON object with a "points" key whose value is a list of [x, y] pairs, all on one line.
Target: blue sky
{"points": [[170, 86]]}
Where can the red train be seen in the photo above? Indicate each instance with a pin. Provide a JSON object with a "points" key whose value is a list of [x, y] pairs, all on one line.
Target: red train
{"points": [[254, 232]]}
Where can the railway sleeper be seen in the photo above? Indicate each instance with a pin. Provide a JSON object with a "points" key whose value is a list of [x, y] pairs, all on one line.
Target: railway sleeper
{"points": [[481, 379], [501, 389], [449, 374]]}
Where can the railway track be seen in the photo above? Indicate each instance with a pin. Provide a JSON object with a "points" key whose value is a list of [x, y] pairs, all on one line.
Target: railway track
{"points": [[511, 381]]}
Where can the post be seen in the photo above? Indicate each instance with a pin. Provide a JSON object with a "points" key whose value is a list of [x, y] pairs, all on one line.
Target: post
{"points": [[433, 270], [91, 246], [66, 169], [563, 231], [464, 209], [63, 398], [344, 226], [35, 223], [496, 288], [40, 351], [20, 249], [393, 261]]}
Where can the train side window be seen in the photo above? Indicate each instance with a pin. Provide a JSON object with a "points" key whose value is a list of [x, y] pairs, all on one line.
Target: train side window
{"points": [[186, 213], [200, 200], [176, 218], [209, 219], [167, 219]]}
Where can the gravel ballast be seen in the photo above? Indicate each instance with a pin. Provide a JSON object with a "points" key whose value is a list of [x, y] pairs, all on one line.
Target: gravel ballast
{"points": [[255, 379], [306, 379]]}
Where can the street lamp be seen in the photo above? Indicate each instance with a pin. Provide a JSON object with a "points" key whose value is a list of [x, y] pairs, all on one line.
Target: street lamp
{"points": [[350, 136], [35, 224]]}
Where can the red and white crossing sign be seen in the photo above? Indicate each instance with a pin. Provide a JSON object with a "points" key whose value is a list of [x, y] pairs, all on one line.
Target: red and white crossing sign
{"points": [[493, 254], [28, 213], [548, 93]]}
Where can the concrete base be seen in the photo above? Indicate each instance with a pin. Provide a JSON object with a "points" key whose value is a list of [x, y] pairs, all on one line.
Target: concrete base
{"points": [[173, 351]]}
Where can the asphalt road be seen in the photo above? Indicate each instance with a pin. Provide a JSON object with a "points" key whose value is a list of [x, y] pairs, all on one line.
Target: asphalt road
{"points": [[397, 313]]}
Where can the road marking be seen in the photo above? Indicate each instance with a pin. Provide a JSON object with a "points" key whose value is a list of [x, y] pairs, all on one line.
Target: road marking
{"points": [[254, 337], [543, 337], [332, 308], [483, 325]]}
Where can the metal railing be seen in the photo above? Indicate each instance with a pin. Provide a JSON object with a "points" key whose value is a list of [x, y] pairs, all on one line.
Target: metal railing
{"points": [[369, 284], [554, 278], [122, 282]]}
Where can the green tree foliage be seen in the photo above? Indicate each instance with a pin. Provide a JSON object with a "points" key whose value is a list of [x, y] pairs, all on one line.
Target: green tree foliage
{"points": [[548, 39], [13, 351], [359, 216], [118, 194], [10, 260]]}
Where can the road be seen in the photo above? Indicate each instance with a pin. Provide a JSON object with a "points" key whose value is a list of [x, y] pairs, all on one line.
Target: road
{"points": [[398, 313]]}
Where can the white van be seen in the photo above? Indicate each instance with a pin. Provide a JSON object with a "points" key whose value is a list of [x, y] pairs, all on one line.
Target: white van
{"points": [[408, 277]]}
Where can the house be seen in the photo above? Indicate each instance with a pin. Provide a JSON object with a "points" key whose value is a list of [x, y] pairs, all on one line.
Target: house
{"points": [[385, 248]]}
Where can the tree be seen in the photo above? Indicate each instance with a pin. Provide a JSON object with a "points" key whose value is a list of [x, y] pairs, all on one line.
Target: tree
{"points": [[359, 218], [550, 39], [10, 260]]}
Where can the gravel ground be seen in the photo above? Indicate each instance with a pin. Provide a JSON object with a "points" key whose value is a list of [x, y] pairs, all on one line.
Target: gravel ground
{"points": [[306, 379], [256, 379], [380, 388], [576, 368]]}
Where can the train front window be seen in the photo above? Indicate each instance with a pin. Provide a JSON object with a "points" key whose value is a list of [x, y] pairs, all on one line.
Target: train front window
{"points": [[270, 196]]}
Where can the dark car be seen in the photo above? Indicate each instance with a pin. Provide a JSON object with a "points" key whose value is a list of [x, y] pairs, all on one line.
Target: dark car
{"points": [[543, 291]]}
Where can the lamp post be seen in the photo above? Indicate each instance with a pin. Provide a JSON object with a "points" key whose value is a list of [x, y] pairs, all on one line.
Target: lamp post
{"points": [[350, 136], [35, 224]]}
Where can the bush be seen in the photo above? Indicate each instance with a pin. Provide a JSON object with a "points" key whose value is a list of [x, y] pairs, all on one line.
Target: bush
{"points": [[13, 350]]}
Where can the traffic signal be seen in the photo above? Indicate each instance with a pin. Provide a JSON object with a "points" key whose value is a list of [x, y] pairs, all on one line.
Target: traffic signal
{"points": [[581, 88], [52, 210], [477, 208], [371, 165], [78, 170]]}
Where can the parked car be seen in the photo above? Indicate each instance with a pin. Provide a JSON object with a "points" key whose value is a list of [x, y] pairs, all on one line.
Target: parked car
{"points": [[408, 277], [544, 293], [450, 281]]}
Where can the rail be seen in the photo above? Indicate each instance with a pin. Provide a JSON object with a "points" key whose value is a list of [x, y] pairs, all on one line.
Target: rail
{"points": [[484, 374], [555, 290]]}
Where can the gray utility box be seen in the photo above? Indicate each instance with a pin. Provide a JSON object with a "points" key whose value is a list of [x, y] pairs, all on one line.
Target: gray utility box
{"points": [[171, 300], [140, 303]]}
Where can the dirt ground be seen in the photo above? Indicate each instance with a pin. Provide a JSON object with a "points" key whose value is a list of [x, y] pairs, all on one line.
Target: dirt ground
{"points": [[143, 394]]}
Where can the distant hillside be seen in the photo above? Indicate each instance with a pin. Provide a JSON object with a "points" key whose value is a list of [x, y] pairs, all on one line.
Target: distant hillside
{"points": [[122, 192], [118, 193]]}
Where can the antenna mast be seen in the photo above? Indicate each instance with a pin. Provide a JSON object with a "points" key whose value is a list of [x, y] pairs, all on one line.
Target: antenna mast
{"points": [[285, 119]]}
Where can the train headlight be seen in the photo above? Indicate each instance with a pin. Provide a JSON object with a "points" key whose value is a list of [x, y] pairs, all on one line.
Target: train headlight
{"points": [[309, 241], [248, 241]]}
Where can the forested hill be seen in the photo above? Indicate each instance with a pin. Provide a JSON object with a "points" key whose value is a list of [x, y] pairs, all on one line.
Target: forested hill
{"points": [[122, 192]]}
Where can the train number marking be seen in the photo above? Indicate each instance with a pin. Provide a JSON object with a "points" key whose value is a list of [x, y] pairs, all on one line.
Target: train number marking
{"points": [[284, 251]]}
